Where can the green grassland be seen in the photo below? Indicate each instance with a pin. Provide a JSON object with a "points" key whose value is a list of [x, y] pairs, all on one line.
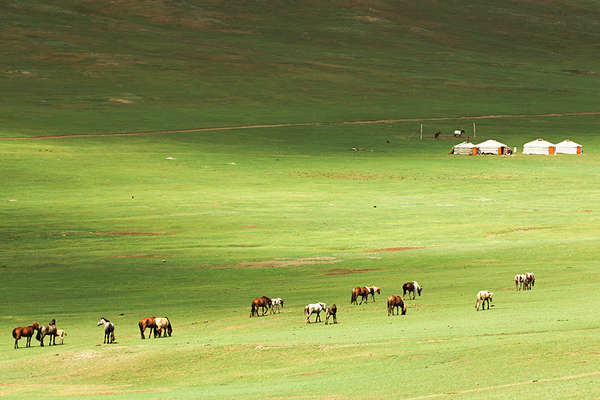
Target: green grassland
{"points": [[293, 212]]}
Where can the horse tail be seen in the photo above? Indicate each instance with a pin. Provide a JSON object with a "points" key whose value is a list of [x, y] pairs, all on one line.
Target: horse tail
{"points": [[354, 295], [14, 333], [306, 311]]}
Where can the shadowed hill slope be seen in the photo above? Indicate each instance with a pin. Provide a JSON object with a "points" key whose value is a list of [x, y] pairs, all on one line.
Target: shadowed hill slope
{"points": [[88, 66]]}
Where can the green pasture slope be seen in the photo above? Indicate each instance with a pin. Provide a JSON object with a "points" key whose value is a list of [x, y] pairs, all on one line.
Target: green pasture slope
{"points": [[293, 212]]}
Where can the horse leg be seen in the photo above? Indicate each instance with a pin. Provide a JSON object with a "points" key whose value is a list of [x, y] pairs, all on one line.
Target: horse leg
{"points": [[42, 340]]}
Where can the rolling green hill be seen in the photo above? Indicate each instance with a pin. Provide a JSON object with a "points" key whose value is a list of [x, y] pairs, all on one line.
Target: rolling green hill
{"points": [[89, 66]]}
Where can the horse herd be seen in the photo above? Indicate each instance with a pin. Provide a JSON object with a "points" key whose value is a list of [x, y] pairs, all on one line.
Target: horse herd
{"points": [[161, 326]]}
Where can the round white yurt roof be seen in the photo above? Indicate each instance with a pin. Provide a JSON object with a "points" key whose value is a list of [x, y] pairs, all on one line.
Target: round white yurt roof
{"points": [[491, 143], [538, 143], [568, 143], [464, 145]]}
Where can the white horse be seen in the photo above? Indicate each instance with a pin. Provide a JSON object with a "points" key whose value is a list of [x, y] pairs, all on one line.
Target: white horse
{"points": [[314, 308], [160, 324], [482, 297], [61, 334], [373, 290], [109, 330], [277, 303], [519, 279]]}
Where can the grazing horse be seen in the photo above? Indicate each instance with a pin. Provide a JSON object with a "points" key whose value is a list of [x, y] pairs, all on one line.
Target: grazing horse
{"points": [[396, 301], [360, 291], [109, 330], [315, 308], [372, 290], [411, 287], [482, 297], [26, 332], [519, 279], [61, 334], [160, 324], [331, 312], [529, 280], [147, 322], [263, 302], [49, 330], [277, 303]]}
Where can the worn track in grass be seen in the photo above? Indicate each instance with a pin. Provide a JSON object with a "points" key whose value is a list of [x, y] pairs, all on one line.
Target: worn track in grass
{"points": [[293, 124]]}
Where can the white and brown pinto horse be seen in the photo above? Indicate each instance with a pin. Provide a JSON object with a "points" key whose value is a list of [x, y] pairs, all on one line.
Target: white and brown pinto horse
{"points": [[411, 288], [396, 302], [276, 303], [47, 330], [372, 290], [109, 330], [161, 324], [315, 308], [482, 297], [363, 292], [519, 279]]}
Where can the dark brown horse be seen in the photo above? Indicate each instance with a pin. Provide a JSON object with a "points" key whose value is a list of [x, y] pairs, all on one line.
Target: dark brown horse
{"points": [[147, 322], [411, 288], [260, 302], [398, 302], [363, 292], [25, 331], [331, 312], [47, 330]]}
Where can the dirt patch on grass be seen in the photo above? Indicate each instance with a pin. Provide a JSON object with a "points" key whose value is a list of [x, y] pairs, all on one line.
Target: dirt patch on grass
{"points": [[130, 233], [517, 230], [237, 326], [393, 249], [585, 211], [122, 101], [265, 264], [139, 256], [346, 271], [313, 373], [112, 392]]}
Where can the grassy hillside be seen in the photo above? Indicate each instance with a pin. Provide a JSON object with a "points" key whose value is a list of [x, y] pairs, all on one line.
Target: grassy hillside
{"points": [[293, 211], [88, 66]]}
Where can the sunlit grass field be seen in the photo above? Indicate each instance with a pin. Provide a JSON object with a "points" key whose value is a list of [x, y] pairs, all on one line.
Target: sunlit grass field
{"points": [[295, 213]]}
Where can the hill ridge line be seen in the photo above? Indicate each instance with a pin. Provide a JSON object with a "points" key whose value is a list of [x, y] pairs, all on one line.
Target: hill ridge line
{"points": [[297, 124]]}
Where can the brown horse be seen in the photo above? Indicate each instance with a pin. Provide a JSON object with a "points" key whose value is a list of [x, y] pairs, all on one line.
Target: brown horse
{"points": [[25, 331], [362, 292], [396, 301], [411, 288], [260, 302], [47, 330], [331, 312], [147, 322]]}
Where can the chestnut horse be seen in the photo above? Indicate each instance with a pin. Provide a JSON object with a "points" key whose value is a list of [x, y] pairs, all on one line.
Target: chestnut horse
{"points": [[529, 281], [411, 287], [362, 292], [396, 301], [160, 324], [331, 312], [263, 302], [26, 332], [147, 322]]}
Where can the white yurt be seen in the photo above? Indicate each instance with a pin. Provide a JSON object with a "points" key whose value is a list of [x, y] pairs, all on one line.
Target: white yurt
{"points": [[569, 147], [492, 147], [539, 146], [464, 148]]}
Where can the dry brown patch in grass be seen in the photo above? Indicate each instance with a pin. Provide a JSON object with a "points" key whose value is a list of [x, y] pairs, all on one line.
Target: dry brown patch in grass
{"points": [[266, 264], [313, 373], [346, 271], [585, 211], [237, 326], [111, 392], [122, 101], [531, 228], [392, 249]]}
